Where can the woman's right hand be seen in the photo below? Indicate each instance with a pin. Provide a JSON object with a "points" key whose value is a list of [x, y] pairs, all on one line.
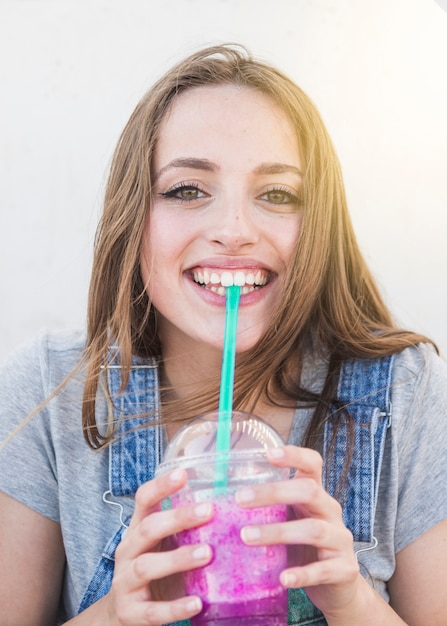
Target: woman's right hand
{"points": [[145, 590]]}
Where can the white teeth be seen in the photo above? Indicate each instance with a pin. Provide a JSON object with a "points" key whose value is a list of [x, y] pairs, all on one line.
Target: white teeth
{"points": [[218, 283], [226, 280], [239, 279]]}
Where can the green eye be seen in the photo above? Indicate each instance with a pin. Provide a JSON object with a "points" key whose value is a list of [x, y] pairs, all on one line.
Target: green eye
{"points": [[188, 193], [184, 193], [279, 197]]}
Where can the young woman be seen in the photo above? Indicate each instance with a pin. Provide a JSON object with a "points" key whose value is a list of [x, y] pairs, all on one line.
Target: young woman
{"points": [[224, 168]]}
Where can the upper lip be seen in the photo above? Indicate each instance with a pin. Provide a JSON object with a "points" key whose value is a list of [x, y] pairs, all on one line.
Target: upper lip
{"points": [[221, 264]]}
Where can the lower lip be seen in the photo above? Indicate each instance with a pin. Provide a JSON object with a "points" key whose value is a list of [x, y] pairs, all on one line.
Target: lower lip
{"points": [[246, 299]]}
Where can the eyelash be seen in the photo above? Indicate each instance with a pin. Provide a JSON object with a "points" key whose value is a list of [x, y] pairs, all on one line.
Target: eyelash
{"points": [[279, 189], [292, 197], [171, 193]]}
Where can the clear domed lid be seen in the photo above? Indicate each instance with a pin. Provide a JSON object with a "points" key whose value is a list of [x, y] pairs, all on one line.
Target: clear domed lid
{"points": [[199, 436]]}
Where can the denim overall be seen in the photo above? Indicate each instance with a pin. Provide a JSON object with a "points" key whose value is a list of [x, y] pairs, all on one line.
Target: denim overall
{"points": [[364, 387]]}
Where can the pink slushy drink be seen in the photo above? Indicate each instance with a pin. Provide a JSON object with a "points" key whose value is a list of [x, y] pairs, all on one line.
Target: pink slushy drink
{"points": [[241, 582], [240, 586]]}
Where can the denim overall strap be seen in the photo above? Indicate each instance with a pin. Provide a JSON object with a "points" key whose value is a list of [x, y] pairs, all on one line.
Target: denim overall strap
{"points": [[136, 449], [133, 455], [364, 389]]}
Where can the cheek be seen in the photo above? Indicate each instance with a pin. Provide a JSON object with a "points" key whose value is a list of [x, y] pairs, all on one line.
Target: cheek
{"points": [[152, 251], [287, 237], [156, 242], [166, 238]]}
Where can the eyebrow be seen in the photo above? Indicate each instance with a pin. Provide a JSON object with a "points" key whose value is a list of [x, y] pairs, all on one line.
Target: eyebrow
{"points": [[276, 168], [190, 163], [208, 166]]}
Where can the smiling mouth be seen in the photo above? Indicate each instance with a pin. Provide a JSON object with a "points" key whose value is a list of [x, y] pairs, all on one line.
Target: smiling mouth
{"points": [[217, 282]]}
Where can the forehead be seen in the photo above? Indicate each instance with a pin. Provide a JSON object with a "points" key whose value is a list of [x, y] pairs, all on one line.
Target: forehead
{"points": [[203, 118]]}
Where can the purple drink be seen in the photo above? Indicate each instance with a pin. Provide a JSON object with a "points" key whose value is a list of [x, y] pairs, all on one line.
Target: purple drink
{"points": [[241, 582]]}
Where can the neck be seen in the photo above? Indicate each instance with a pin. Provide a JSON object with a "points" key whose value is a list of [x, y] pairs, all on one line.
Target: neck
{"points": [[189, 370], [186, 369]]}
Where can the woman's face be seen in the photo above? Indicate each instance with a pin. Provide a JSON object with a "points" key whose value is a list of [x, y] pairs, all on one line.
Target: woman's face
{"points": [[226, 207]]}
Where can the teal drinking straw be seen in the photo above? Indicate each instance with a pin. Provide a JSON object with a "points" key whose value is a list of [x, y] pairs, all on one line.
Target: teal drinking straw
{"points": [[223, 440]]}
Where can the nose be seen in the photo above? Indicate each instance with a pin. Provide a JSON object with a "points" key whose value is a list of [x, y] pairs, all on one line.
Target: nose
{"points": [[234, 226]]}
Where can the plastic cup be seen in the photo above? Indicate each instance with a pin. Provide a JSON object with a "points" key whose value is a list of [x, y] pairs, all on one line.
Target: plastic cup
{"points": [[241, 583]]}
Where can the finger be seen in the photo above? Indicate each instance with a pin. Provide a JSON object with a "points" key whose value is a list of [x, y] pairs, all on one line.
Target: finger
{"points": [[321, 534], [155, 613], [157, 526], [305, 461], [148, 567], [306, 495], [328, 571], [151, 493]]}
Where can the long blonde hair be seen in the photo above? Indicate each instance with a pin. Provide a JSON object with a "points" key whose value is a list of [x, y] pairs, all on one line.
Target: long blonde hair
{"points": [[330, 295]]}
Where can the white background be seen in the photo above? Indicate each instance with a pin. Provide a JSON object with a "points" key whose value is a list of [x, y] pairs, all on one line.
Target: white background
{"points": [[71, 72]]}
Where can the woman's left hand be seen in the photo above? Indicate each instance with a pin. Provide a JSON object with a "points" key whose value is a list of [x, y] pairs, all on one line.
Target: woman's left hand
{"points": [[323, 560]]}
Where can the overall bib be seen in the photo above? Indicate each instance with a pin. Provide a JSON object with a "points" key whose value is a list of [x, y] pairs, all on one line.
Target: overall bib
{"points": [[364, 388]]}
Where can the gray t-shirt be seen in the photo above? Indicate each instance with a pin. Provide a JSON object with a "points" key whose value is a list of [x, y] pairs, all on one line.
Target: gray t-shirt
{"points": [[48, 466]]}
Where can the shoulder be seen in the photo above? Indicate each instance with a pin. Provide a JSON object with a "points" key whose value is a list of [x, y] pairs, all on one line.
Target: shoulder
{"points": [[58, 344], [419, 368], [51, 356], [419, 396], [415, 464], [422, 356]]}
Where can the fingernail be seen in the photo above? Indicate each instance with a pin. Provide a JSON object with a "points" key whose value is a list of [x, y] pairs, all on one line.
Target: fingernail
{"points": [[250, 533], [194, 605], [288, 579], [203, 510], [202, 553], [176, 476], [276, 453], [245, 495]]}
